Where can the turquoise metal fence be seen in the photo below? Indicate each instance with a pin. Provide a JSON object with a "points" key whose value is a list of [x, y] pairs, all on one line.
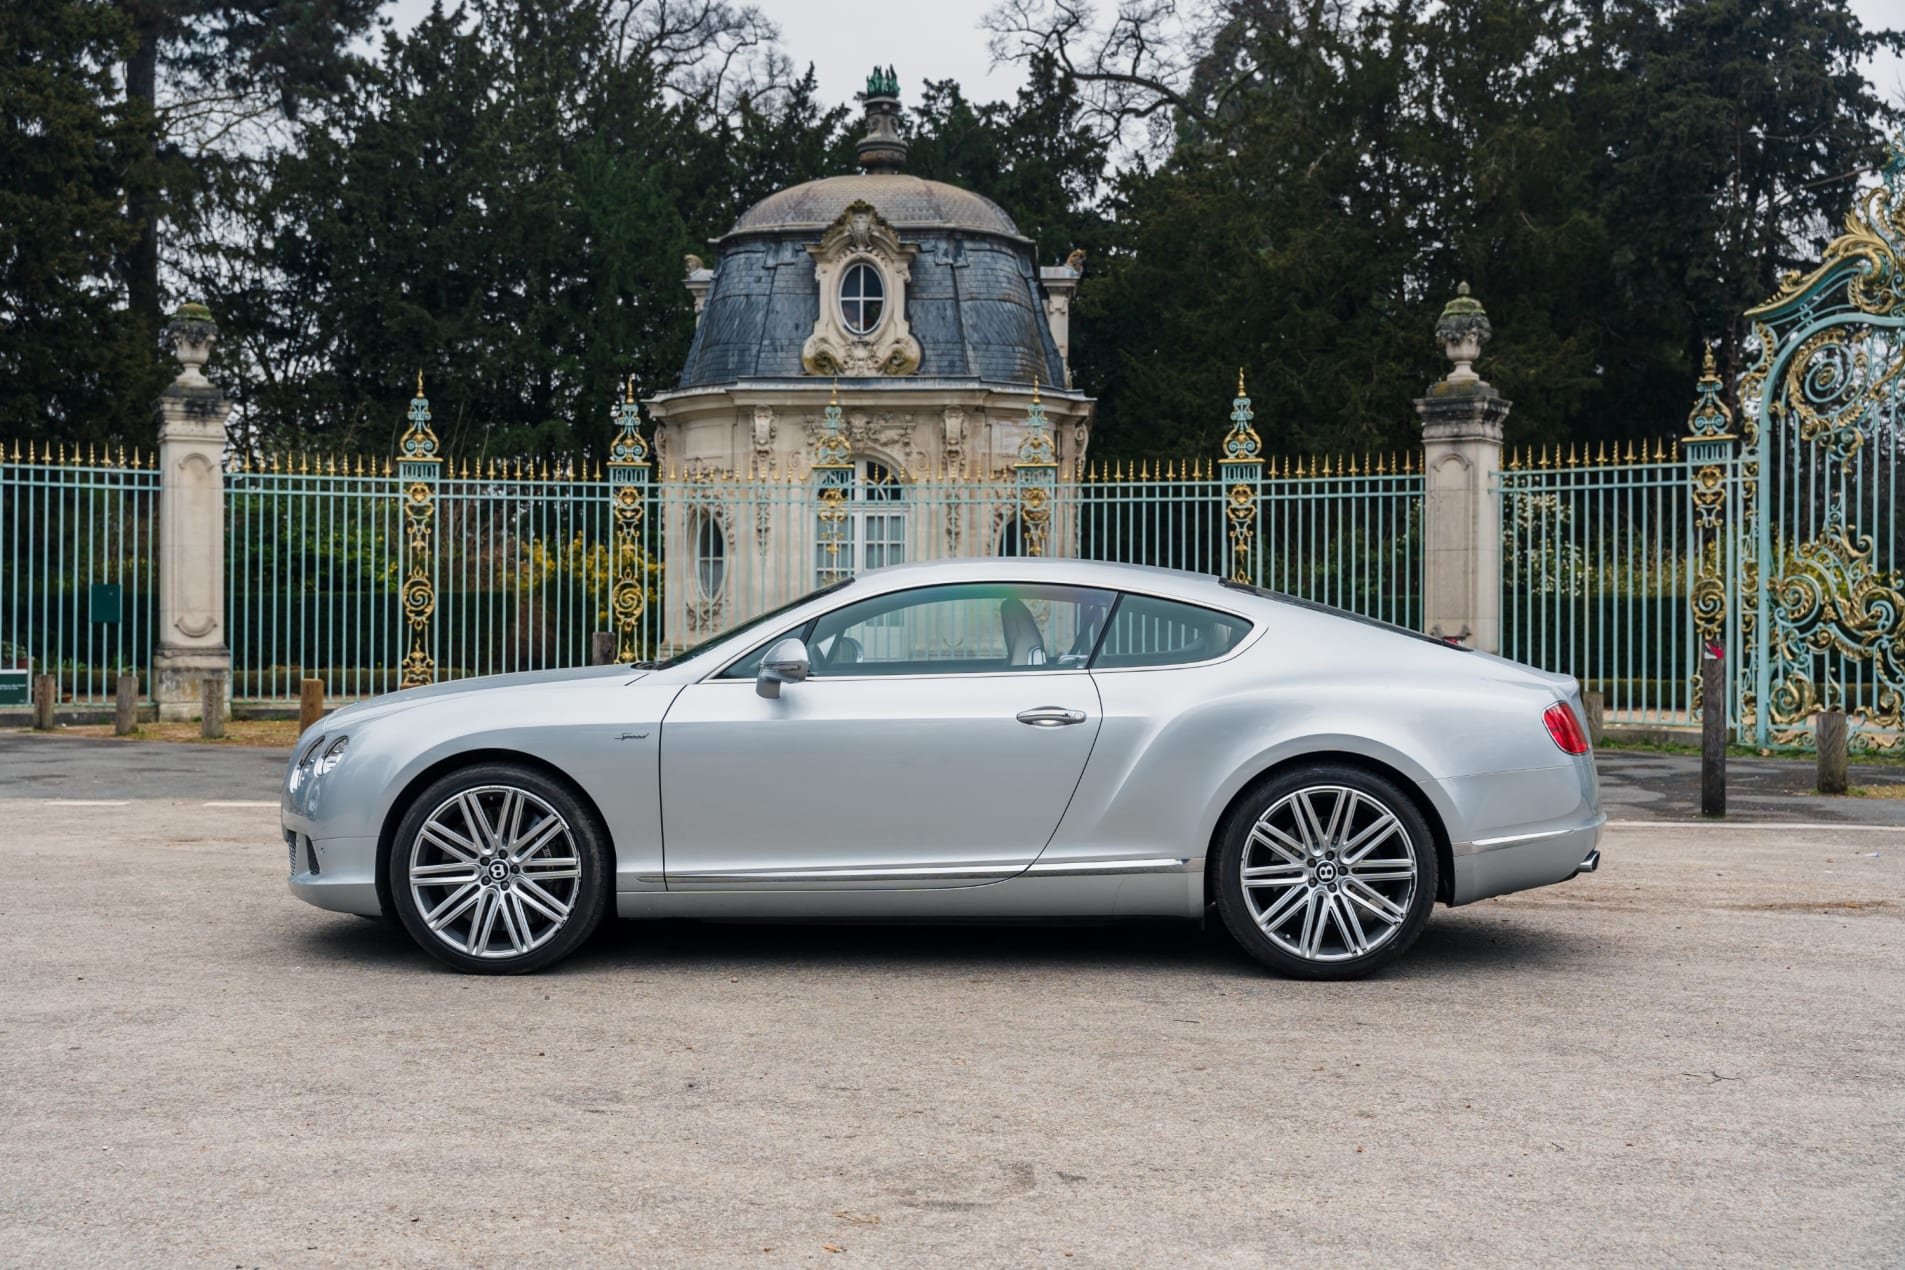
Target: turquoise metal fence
{"points": [[311, 582], [369, 574], [78, 567], [521, 569], [1597, 570]]}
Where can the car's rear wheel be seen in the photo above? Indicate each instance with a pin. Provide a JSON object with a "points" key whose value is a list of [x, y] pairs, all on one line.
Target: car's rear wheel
{"points": [[1326, 872], [499, 869]]}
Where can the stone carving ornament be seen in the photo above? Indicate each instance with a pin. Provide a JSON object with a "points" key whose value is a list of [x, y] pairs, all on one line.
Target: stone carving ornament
{"points": [[888, 348]]}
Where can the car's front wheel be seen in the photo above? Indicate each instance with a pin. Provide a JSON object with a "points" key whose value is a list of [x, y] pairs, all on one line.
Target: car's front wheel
{"points": [[499, 869], [1326, 872]]}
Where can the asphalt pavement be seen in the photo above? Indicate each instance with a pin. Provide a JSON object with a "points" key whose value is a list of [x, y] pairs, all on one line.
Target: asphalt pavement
{"points": [[1695, 1056]]}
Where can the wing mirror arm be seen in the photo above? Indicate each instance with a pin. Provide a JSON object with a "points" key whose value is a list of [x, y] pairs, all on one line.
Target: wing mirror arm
{"points": [[785, 663]]}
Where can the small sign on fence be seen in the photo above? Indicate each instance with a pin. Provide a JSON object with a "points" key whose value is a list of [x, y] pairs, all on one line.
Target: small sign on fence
{"points": [[16, 687], [104, 605]]}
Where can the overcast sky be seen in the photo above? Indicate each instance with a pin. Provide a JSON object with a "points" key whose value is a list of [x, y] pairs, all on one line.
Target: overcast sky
{"points": [[941, 39]]}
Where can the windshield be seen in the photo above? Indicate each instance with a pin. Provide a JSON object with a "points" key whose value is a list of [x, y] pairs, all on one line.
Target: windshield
{"points": [[749, 625]]}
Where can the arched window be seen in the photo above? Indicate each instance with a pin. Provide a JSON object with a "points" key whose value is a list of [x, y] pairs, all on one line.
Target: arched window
{"points": [[862, 297], [711, 556], [873, 535]]}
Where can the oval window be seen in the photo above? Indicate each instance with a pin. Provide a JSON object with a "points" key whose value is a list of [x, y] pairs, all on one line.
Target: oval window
{"points": [[862, 297], [711, 557]]}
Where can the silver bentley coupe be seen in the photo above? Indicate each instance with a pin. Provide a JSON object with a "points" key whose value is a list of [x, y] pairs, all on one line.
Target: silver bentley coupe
{"points": [[973, 739]]}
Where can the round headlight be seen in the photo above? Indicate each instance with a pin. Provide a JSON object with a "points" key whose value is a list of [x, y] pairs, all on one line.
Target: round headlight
{"points": [[333, 756]]}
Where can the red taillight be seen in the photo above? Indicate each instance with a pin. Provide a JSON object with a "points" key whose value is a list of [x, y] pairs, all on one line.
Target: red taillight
{"points": [[1565, 729]]}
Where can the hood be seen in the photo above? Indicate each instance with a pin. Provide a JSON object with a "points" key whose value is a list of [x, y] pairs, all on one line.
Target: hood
{"points": [[392, 703]]}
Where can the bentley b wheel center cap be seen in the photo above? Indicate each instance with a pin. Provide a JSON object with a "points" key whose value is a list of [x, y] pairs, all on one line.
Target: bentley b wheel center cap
{"points": [[1326, 871], [498, 871]]}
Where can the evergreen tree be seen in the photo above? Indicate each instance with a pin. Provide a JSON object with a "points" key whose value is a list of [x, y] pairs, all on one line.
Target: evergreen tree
{"points": [[72, 361], [503, 207]]}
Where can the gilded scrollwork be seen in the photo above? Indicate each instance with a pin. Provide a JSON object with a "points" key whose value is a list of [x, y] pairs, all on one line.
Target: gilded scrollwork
{"points": [[1870, 254], [1820, 402], [833, 483], [417, 468], [629, 471], [1831, 598], [1037, 472], [1242, 468]]}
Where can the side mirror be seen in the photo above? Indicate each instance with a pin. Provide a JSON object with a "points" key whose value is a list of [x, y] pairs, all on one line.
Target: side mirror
{"points": [[785, 663]]}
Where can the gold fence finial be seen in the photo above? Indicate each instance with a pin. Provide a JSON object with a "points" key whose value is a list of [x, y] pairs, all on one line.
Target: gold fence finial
{"points": [[1240, 383], [833, 398], [1035, 386], [419, 381], [628, 391]]}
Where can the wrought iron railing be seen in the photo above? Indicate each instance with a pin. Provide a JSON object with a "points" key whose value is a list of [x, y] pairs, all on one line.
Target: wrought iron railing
{"points": [[372, 574], [78, 565], [1598, 567]]}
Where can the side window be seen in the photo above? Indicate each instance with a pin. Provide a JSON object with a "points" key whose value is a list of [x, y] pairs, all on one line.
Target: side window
{"points": [[972, 628], [1146, 631]]}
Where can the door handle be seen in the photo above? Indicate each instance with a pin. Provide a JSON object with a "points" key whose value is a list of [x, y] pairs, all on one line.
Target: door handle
{"points": [[1051, 716]]}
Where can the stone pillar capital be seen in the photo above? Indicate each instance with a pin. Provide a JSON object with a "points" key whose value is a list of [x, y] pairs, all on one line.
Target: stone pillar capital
{"points": [[1453, 412]]}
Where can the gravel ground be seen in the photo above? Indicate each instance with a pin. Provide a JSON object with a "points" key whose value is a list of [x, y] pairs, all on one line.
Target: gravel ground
{"points": [[1695, 1056]]}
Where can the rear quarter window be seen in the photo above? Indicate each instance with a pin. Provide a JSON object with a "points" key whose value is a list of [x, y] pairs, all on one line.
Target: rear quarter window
{"points": [[1146, 631]]}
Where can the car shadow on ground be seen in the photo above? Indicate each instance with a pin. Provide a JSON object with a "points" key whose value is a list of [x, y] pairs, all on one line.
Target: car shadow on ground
{"points": [[1453, 942]]}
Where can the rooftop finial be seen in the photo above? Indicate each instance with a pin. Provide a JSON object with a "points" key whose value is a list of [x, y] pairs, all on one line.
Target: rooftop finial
{"points": [[882, 149]]}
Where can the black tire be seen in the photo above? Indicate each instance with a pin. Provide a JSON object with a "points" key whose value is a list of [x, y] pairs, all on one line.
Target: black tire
{"points": [[525, 895], [1327, 895]]}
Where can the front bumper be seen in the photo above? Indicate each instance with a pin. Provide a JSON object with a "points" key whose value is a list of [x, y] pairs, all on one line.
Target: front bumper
{"points": [[339, 874]]}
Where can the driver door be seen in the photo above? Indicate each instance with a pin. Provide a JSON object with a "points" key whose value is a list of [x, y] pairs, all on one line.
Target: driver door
{"points": [[936, 743]]}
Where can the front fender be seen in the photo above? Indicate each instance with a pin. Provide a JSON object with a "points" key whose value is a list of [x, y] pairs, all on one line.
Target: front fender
{"points": [[604, 737]]}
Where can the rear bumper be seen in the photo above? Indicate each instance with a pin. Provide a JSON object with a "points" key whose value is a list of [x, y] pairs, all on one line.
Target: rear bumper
{"points": [[1501, 865]]}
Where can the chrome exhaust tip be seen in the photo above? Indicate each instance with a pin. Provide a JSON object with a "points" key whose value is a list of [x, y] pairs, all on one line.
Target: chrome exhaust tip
{"points": [[1590, 864]]}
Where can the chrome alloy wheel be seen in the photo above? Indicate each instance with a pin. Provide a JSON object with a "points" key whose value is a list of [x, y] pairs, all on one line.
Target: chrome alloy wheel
{"points": [[494, 872], [1329, 873]]}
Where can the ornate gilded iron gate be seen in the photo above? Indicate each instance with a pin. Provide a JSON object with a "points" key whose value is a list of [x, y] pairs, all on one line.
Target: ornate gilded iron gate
{"points": [[1819, 543]]}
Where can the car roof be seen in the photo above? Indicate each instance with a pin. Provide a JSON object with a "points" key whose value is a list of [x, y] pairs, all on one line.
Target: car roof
{"points": [[1095, 573]]}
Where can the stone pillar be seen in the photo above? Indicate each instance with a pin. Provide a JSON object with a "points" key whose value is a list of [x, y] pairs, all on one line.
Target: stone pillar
{"points": [[192, 415], [1461, 510], [1060, 284]]}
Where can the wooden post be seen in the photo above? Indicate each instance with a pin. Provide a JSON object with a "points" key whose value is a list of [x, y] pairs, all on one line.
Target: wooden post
{"points": [[211, 719], [1712, 736], [125, 705], [45, 694], [310, 702], [1596, 708], [602, 648], [1829, 735]]}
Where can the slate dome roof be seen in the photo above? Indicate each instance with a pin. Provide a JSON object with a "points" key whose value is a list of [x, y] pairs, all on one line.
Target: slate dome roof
{"points": [[906, 202]]}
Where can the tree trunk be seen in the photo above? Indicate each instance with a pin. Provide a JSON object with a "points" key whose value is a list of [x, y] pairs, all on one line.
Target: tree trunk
{"points": [[142, 185]]}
